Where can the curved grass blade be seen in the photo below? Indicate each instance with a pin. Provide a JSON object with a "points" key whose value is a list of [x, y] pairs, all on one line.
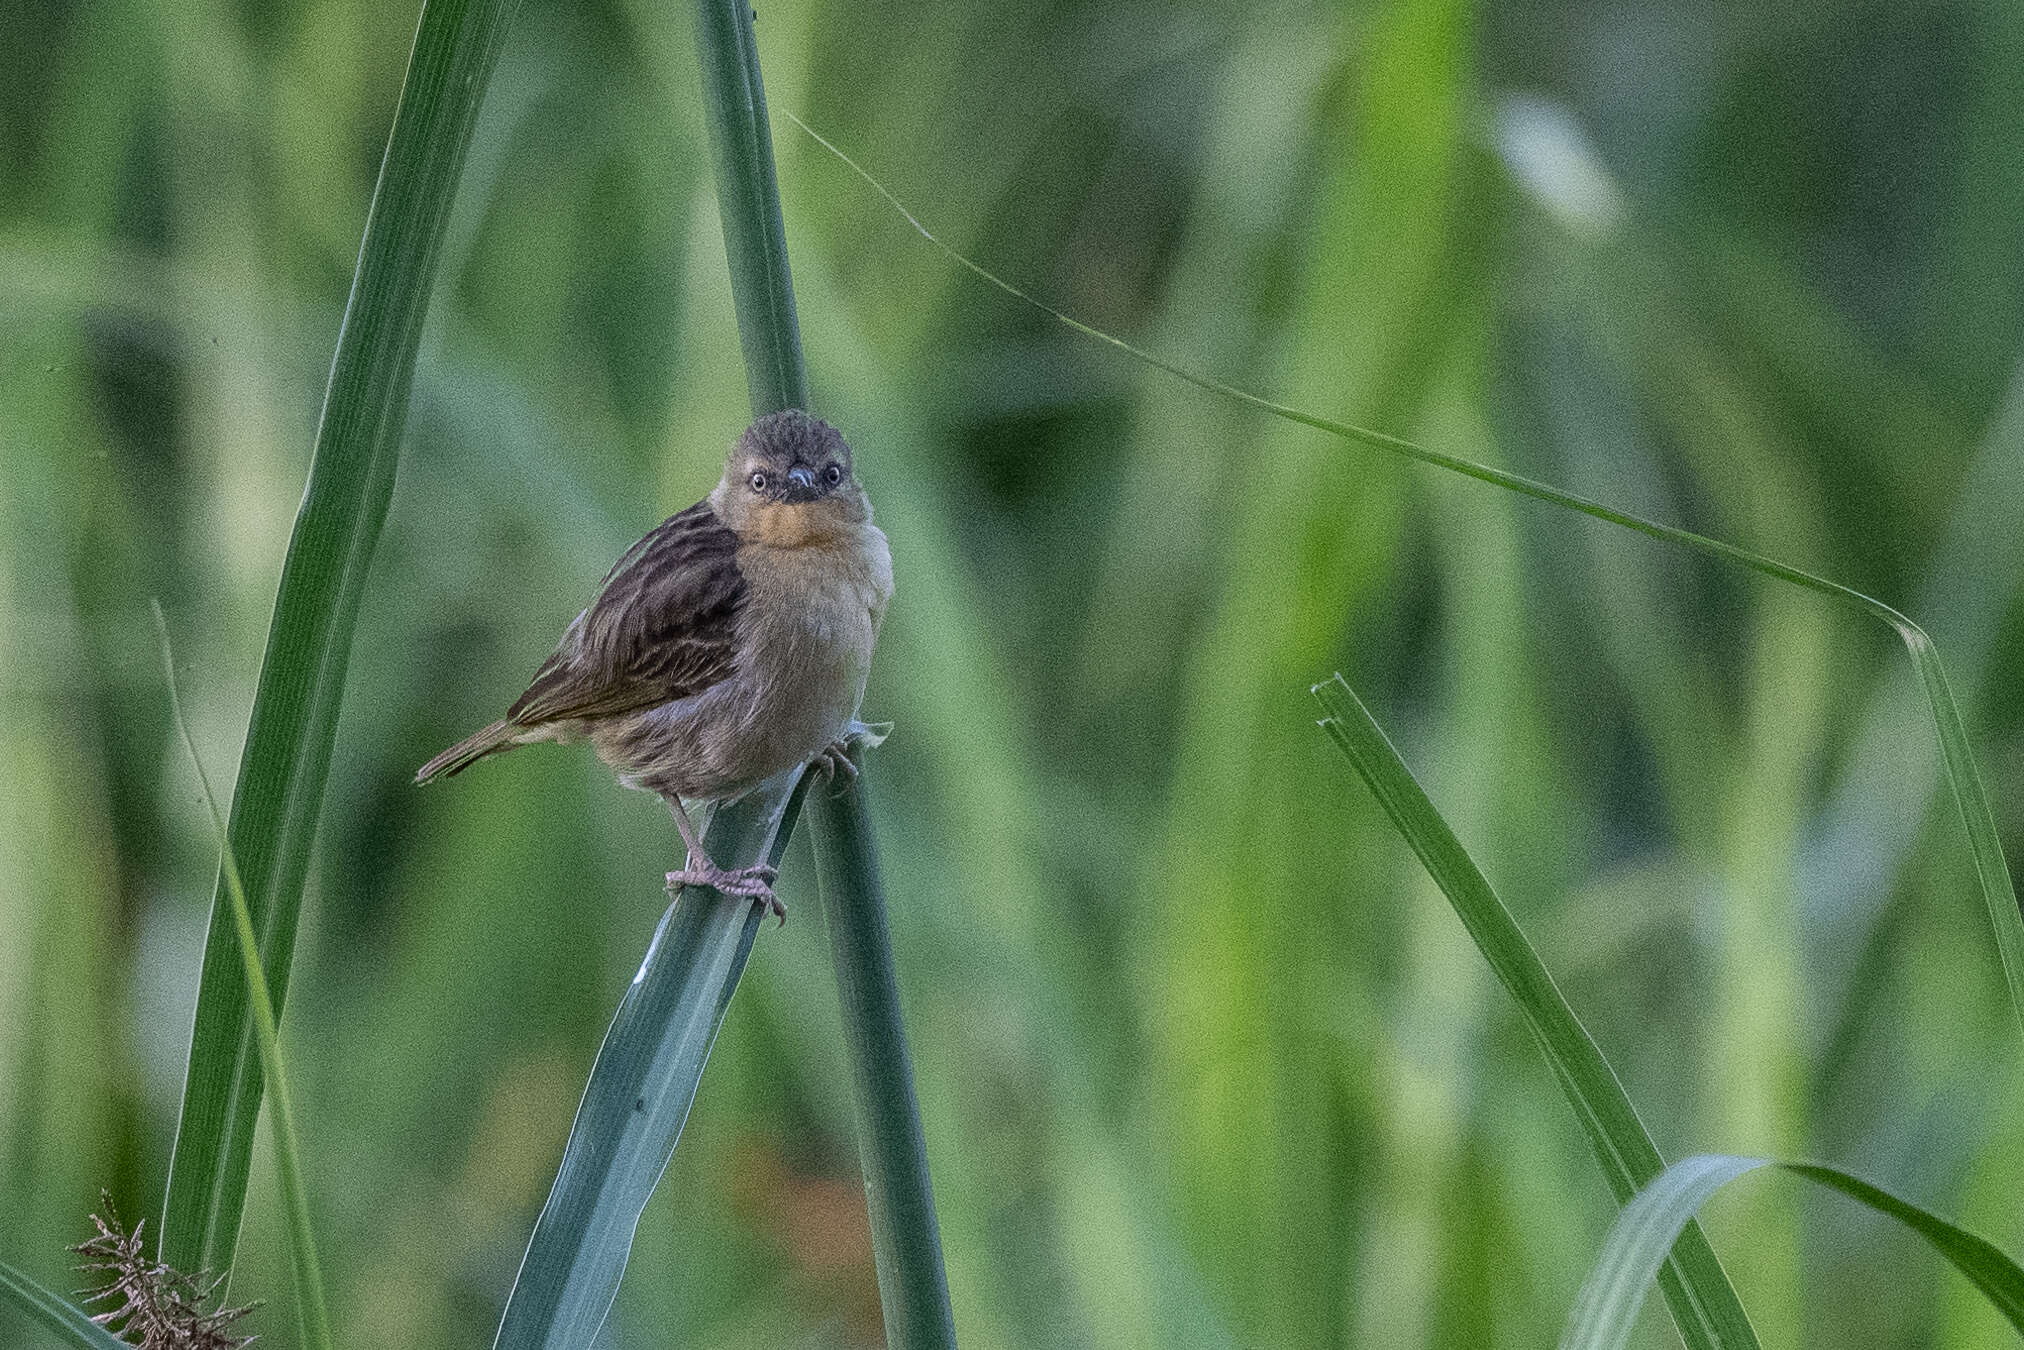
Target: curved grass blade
{"points": [[61, 1318], [906, 1241], [1957, 759], [640, 1090], [1608, 1303], [295, 709], [1698, 1292], [312, 1316]]}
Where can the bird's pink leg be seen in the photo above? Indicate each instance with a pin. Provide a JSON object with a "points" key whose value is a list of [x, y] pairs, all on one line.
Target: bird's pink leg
{"points": [[754, 882]]}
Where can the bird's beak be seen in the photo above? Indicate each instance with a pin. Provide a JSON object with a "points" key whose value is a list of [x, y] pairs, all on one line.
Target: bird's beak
{"points": [[801, 485]]}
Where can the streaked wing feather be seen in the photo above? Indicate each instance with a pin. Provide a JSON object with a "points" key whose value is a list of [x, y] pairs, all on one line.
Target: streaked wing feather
{"points": [[663, 627]]}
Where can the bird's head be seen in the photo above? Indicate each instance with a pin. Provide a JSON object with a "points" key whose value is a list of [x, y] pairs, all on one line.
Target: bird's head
{"points": [[789, 479]]}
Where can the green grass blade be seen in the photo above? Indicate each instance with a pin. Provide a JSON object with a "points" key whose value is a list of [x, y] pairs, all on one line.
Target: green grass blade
{"points": [[913, 1288], [67, 1322], [1957, 760], [295, 709], [640, 1091], [1608, 1304], [1703, 1303], [312, 1314], [748, 201]]}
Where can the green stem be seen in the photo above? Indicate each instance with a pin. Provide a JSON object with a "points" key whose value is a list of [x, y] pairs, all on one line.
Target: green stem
{"points": [[905, 1237], [748, 201], [912, 1286]]}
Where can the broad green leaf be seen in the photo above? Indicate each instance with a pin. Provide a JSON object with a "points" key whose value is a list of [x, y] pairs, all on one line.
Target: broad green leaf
{"points": [[294, 720], [61, 1318], [640, 1090], [1608, 1303], [1957, 759], [1697, 1291], [312, 1316]]}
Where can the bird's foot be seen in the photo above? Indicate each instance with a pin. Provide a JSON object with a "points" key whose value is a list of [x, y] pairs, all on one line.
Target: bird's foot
{"points": [[834, 760], [753, 883]]}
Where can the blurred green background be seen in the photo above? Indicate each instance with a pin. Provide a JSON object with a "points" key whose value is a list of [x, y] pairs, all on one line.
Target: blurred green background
{"points": [[1204, 1058]]}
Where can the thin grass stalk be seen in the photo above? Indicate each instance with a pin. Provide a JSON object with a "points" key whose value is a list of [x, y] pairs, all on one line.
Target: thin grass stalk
{"points": [[295, 709], [906, 1243], [1957, 760], [311, 1312], [748, 203], [906, 1240]]}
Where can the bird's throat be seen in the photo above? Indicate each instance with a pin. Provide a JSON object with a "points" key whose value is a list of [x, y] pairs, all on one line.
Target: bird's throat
{"points": [[793, 524]]}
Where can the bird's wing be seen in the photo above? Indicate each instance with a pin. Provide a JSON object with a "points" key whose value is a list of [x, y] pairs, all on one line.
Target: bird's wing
{"points": [[663, 626]]}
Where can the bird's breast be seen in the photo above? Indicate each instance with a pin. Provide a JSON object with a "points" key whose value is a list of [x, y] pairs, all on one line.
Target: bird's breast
{"points": [[810, 622]]}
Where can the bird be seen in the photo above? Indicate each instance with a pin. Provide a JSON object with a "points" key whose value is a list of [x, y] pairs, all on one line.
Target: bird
{"points": [[729, 644]]}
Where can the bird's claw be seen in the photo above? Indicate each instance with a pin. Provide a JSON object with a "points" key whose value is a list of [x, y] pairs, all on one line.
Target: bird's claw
{"points": [[751, 883], [834, 759]]}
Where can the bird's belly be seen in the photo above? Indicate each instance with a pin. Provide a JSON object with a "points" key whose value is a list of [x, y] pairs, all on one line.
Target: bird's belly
{"points": [[799, 681], [808, 677]]}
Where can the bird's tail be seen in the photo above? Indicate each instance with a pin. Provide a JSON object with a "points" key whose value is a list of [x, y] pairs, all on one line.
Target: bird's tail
{"points": [[499, 736]]}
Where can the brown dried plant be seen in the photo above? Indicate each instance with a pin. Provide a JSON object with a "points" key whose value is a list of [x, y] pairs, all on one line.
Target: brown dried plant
{"points": [[159, 1308]]}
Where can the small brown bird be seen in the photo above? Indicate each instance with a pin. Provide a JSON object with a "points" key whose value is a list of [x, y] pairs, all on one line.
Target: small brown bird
{"points": [[728, 645]]}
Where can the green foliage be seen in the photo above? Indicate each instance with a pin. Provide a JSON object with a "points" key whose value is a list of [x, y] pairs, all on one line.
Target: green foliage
{"points": [[1649, 1223], [1703, 1304], [294, 720], [1963, 780], [640, 1090], [312, 1316], [1204, 1058], [61, 1319], [661, 1037], [913, 1291]]}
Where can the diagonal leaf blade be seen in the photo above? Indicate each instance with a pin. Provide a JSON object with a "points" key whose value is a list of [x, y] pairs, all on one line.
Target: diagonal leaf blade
{"points": [[1607, 1306], [59, 1316], [294, 720], [640, 1090], [1698, 1292]]}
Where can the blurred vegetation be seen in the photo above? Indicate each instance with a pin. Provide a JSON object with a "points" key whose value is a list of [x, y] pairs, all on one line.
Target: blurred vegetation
{"points": [[1203, 1057]]}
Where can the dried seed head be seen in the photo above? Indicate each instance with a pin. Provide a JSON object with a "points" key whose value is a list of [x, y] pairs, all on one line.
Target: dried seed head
{"points": [[157, 1307]]}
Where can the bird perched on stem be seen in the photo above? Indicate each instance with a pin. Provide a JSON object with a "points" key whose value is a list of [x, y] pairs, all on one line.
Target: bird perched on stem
{"points": [[729, 644]]}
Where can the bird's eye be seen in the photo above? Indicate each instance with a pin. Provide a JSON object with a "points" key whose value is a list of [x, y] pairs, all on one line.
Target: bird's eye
{"points": [[834, 473], [758, 481]]}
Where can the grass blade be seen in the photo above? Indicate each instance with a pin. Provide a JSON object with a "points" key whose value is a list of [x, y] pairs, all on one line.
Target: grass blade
{"points": [[295, 710], [1608, 1304], [640, 1091], [748, 202], [913, 1289], [1703, 1303], [312, 1315], [1957, 760], [67, 1322]]}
